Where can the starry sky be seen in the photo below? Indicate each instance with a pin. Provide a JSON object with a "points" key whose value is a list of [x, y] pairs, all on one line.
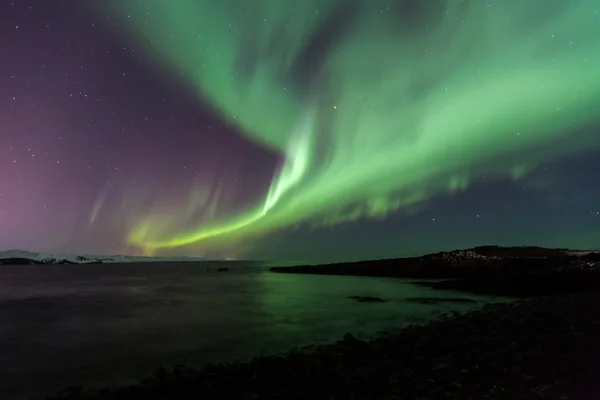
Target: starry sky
{"points": [[319, 130]]}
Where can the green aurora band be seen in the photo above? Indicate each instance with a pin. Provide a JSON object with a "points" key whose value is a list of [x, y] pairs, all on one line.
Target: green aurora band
{"points": [[399, 102]]}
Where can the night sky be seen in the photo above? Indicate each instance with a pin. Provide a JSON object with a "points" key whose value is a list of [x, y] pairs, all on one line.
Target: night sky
{"points": [[315, 130]]}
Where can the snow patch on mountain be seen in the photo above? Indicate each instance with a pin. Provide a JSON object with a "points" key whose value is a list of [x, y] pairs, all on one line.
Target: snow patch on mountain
{"points": [[582, 252], [458, 256]]}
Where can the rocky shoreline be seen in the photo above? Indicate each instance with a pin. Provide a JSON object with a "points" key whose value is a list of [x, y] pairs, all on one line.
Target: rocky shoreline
{"points": [[542, 348]]}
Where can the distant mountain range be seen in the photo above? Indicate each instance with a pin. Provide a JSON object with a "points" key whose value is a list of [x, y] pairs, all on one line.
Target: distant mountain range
{"points": [[479, 254], [16, 257]]}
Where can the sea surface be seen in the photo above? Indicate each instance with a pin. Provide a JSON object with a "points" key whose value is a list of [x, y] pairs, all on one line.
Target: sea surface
{"points": [[65, 325]]}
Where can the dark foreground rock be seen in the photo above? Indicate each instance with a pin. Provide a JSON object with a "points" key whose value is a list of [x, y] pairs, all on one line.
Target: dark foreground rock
{"points": [[367, 299], [543, 348], [437, 300]]}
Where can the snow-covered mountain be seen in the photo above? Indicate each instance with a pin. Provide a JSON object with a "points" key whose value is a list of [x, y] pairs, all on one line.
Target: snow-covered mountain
{"points": [[457, 256], [500, 252], [588, 260], [47, 258]]}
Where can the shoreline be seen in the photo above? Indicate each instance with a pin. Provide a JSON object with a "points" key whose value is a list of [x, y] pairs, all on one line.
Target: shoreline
{"points": [[545, 347]]}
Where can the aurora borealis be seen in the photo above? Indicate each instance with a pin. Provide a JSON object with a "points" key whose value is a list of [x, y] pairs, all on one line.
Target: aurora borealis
{"points": [[315, 129]]}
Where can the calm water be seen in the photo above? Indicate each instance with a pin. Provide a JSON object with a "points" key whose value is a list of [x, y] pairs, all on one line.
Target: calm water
{"points": [[92, 324]]}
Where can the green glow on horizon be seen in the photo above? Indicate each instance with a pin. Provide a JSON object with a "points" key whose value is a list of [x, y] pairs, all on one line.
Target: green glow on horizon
{"points": [[395, 115]]}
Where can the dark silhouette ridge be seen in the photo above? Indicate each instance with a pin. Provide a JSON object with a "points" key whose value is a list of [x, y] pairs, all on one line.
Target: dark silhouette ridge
{"points": [[367, 299]]}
